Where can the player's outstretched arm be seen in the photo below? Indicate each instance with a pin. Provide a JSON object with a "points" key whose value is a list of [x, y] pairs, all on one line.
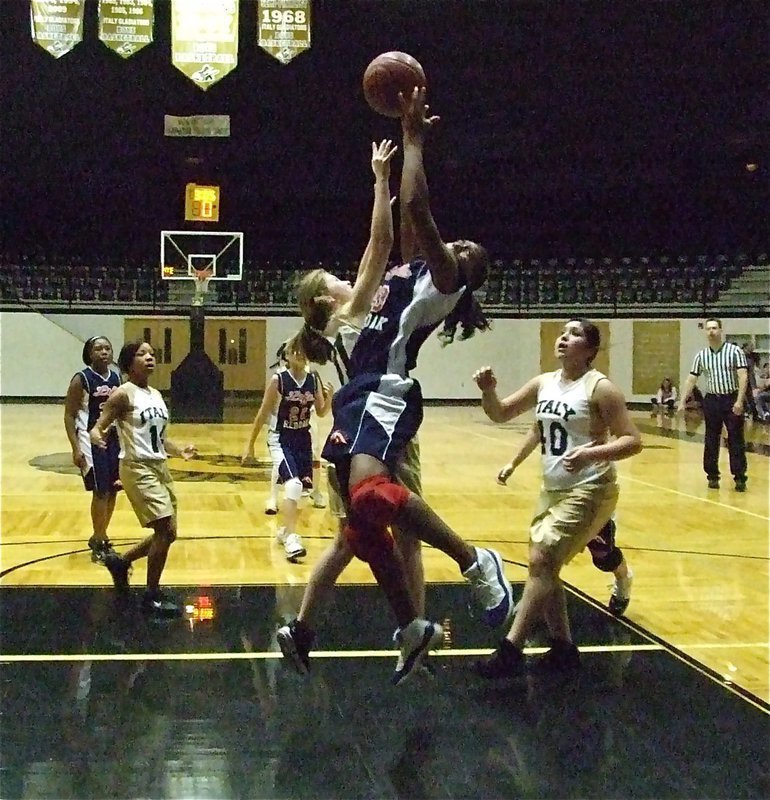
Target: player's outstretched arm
{"points": [[415, 197], [509, 407], [377, 252]]}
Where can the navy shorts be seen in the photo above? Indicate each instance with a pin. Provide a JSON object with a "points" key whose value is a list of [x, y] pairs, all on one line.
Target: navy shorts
{"points": [[103, 467], [375, 415], [292, 451]]}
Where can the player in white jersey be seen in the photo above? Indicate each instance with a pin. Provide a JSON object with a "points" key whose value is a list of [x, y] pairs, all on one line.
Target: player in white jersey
{"points": [[577, 409], [141, 416], [605, 553]]}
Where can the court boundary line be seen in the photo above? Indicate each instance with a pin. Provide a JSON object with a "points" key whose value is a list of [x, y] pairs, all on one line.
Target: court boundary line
{"points": [[675, 651], [267, 655]]}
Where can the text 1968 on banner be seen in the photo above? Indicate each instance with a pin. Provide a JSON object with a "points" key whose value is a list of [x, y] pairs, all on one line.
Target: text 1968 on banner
{"points": [[283, 27]]}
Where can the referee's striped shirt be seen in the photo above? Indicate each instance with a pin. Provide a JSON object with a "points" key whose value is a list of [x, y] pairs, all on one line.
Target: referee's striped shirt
{"points": [[721, 367]]}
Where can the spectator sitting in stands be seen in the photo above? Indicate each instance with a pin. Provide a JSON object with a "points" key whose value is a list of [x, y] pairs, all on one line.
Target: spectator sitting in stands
{"points": [[752, 359], [695, 401], [762, 393], [666, 398]]}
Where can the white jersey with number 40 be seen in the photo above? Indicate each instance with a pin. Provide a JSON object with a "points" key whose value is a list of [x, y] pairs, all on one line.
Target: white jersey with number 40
{"points": [[142, 432], [563, 414]]}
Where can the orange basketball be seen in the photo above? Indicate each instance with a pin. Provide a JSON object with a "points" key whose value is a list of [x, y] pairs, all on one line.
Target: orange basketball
{"points": [[386, 76]]}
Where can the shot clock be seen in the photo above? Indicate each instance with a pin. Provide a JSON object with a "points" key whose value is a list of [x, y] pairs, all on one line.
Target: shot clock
{"points": [[201, 203]]}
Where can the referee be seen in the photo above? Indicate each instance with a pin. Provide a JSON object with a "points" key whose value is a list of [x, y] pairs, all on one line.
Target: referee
{"points": [[727, 379]]}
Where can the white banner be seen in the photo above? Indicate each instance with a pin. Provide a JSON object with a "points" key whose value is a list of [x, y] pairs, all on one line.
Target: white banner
{"points": [[200, 125]]}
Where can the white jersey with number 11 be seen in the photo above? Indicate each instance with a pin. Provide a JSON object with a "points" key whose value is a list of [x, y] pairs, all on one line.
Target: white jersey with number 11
{"points": [[142, 432]]}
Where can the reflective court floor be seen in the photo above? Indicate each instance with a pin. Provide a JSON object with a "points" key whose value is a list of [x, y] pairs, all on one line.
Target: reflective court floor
{"points": [[98, 701]]}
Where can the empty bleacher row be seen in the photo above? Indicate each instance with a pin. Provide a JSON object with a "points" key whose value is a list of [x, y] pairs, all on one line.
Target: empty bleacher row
{"points": [[515, 285]]}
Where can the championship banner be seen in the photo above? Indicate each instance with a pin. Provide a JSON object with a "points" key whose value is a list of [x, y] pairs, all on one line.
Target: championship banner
{"points": [[57, 26], [126, 26], [283, 27], [199, 125], [204, 39]]}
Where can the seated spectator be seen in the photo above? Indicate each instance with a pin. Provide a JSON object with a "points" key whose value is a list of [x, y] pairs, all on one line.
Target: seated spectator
{"points": [[667, 396], [695, 401], [762, 393], [752, 359]]}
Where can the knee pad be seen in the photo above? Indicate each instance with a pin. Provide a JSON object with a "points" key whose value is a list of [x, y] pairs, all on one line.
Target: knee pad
{"points": [[292, 489], [368, 542], [376, 501]]}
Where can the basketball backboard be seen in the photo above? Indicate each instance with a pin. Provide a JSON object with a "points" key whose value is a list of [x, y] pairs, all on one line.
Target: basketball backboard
{"points": [[183, 254]]}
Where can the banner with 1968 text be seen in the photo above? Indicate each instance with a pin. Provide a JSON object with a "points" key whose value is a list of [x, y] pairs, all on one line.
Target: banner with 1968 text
{"points": [[126, 26], [204, 39], [283, 27], [57, 26]]}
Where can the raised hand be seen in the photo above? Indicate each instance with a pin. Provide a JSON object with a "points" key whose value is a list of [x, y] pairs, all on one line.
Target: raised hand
{"points": [[415, 120], [382, 153], [485, 379]]}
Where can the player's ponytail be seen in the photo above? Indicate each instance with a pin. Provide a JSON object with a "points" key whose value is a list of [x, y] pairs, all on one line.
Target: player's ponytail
{"points": [[317, 307], [468, 315]]}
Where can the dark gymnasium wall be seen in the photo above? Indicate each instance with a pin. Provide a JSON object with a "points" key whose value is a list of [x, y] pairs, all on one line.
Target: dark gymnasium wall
{"points": [[618, 127]]}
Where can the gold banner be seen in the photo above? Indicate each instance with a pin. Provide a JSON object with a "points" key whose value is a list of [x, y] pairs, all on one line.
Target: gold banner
{"points": [[57, 26], [126, 26], [283, 27], [204, 39]]}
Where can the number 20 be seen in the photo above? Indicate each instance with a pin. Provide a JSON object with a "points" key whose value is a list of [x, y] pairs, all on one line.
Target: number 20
{"points": [[556, 444]]}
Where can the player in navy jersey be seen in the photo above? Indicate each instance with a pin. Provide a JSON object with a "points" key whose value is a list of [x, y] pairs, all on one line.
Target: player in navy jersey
{"points": [[379, 411], [290, 397], [87, 393]]}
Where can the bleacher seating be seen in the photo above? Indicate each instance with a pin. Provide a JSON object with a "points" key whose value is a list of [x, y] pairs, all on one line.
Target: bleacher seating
{"points": [[515, 285]]}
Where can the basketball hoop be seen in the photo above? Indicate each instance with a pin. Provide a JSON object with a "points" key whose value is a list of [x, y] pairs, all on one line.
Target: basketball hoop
{"points": [[202, 280]]}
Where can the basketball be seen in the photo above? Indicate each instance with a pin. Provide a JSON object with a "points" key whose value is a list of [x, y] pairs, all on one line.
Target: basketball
{"points": [[386, 76]]}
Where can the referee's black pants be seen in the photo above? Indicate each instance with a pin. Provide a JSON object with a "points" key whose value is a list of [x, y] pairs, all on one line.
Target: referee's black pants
{"points": [[718, 411]]}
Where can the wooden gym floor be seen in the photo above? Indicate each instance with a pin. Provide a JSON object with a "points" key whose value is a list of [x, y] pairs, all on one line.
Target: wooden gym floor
{"points": [[672, 700]]}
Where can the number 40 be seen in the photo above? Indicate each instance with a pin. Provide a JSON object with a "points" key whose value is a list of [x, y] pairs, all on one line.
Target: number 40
{"points": [[556, 441]]}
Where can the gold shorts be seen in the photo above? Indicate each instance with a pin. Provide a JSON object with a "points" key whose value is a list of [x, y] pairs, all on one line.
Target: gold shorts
{"points": [[565, 521], [409, 473], [149, 489]]}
